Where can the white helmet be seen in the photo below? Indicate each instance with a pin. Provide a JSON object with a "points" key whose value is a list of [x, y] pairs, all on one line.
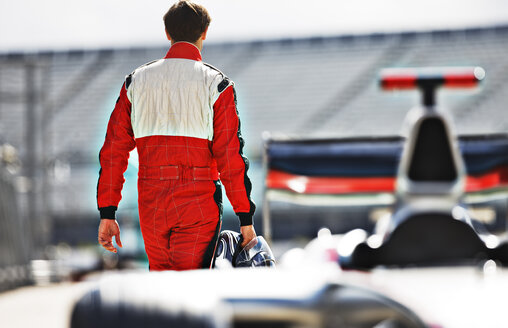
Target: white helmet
{"points": [[256, 253]]}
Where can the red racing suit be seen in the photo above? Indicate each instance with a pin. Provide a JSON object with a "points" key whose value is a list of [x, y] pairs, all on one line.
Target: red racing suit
{"points": [[181, 115]]}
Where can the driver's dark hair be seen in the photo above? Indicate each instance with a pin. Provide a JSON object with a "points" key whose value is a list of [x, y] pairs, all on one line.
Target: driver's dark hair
{"points": [[186, 21]]}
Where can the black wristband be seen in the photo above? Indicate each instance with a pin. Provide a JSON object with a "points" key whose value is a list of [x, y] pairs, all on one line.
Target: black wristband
{"points": [[245, 219], [108, 212]]}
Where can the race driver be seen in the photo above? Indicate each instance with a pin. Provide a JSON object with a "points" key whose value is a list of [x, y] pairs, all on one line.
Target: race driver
{"points": [[181, 115]]}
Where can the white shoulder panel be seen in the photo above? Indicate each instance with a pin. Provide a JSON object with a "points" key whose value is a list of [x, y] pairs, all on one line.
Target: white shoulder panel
{"points": [[174, 97]]}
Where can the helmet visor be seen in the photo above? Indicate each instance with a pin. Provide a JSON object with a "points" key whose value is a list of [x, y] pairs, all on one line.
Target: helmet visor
{"points": [[256, 253]]}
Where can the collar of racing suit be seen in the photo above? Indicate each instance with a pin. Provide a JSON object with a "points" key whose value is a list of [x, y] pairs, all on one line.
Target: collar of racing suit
{"points": [[185, 50]]}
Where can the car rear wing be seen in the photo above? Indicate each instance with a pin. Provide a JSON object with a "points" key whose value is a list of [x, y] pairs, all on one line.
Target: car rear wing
{"points": [[428, 79]]}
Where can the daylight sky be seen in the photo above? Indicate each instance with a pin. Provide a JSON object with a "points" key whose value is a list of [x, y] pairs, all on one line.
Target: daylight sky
{"points": [[31, 25]]}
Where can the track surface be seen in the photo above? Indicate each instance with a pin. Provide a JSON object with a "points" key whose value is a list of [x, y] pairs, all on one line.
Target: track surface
{"points": [[47, 306]]}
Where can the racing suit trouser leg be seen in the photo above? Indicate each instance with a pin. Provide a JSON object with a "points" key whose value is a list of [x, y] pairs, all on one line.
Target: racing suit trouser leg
{"points": [[180, 221]]}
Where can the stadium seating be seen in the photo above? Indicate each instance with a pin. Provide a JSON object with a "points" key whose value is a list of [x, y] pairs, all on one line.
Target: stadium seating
{"points": [[317, 86], [313, 87]]}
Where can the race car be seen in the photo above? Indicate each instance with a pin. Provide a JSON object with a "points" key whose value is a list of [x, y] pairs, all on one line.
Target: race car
{"points": [[346, 183]]}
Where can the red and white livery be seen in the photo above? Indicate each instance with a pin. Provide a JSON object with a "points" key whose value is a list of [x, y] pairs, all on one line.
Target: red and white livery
{"points": [[181, 115]]}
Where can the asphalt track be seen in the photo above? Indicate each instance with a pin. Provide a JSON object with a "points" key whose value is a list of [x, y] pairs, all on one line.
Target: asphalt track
{"points": [[40, 306]]}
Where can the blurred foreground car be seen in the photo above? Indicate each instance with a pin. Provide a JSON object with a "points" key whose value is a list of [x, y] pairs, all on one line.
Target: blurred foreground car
{"points": [[237, 298]]}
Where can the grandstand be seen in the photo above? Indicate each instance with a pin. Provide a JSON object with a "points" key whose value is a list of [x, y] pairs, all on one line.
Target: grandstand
{"points": [[54, 106]]}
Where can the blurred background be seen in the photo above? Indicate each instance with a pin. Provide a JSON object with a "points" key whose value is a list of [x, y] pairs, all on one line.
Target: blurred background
{"points": [[302, 70]]}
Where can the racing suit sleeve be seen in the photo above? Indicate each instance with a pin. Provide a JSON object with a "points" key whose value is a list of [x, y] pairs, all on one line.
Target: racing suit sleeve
{"points": [[227, 149], [114, 156]]}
